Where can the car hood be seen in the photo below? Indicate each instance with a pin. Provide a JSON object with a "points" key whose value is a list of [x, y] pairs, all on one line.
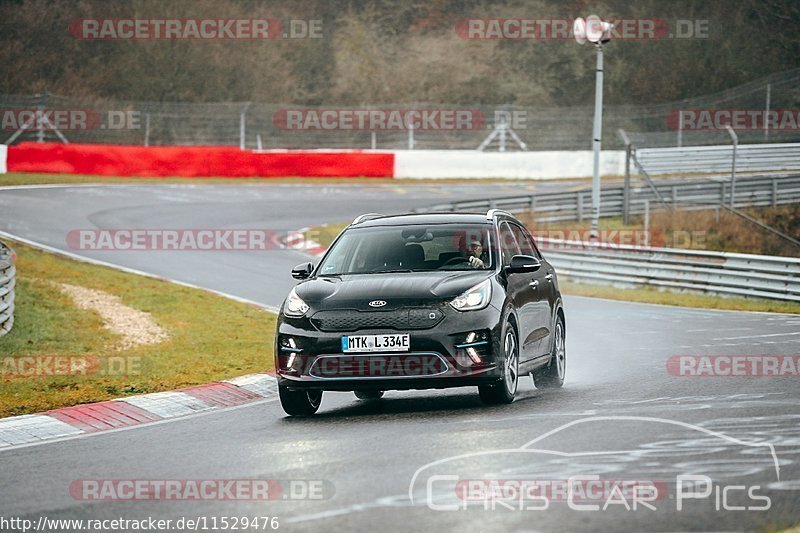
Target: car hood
{"points": [[355, 291]]}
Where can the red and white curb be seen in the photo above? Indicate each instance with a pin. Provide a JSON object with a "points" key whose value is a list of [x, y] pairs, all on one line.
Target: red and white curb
{"points": [[134, 410], [296, 240]]}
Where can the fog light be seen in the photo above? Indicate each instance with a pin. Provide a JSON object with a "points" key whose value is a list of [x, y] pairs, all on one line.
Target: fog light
{"points": [[288, 344], [475, 345]]}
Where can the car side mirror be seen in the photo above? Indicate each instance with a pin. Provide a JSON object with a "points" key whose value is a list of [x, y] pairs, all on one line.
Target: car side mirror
{"points": [[302, 271], [523, 263]]}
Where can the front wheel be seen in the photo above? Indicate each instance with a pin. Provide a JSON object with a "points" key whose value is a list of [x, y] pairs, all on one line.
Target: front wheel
{"points": [[552, 375], [369, 394], [506, 389], [299, 403]]}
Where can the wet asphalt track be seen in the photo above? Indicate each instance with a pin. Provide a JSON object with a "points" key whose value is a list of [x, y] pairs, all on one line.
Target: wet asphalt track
{"points": [[367, 454]]}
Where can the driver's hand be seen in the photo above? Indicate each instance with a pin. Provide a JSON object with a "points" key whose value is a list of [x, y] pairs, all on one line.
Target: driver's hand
{"points": [[476, 262]]}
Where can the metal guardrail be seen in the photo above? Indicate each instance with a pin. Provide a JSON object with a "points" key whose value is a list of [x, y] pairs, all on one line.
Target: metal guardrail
{"points": [[749, 158], [690, 270], [751, 191], [7, 282]]}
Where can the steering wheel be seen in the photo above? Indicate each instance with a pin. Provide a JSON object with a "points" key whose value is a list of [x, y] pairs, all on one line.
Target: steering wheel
{"points": [[455, 260]]}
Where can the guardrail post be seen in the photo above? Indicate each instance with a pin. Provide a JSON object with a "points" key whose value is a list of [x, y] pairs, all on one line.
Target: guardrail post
{"points": [[674, 197], [735, 139], [242, 117], [579, 205], [39, 119], [626, 190], [774, 192], [147, 129]]}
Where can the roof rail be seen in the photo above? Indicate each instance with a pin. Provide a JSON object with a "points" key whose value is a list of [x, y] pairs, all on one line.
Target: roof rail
{"points": [[491, 213], [365, 216]]}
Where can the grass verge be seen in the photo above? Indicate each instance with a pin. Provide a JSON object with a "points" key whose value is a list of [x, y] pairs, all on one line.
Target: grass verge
{"points": [[651, 295], [211, 337]]}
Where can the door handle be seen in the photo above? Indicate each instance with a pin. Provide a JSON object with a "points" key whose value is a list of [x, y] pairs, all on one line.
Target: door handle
{"points": [[534, 283], [549, 277]]}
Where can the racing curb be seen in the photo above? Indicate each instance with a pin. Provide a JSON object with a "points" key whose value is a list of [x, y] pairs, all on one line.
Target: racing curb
{"points": [[135, 410]]}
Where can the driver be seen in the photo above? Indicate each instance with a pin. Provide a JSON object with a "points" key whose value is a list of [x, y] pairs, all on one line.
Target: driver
{"points": [[474, 253]]}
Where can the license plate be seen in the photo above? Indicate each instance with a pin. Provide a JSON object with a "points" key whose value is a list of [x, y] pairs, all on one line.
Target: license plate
{"points": [[376, 343]]}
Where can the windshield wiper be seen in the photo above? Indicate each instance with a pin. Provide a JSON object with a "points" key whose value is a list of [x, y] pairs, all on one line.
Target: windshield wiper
{"points": [[391, 271]]}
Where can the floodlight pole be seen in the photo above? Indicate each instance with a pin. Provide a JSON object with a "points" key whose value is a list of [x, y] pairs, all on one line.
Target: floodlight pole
{"points": [[596, 141]]}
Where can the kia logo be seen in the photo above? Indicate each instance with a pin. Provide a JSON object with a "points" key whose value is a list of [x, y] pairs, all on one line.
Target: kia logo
{"points": [[377, 303]]}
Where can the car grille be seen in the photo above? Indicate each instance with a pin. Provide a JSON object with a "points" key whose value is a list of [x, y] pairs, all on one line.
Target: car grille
{"points": [[395, 366], [399, 319]]}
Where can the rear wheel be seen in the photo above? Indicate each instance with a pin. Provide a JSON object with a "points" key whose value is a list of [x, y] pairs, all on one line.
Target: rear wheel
{"points": [[506, 389], [369, 394], [552, 375], [299, 403]]}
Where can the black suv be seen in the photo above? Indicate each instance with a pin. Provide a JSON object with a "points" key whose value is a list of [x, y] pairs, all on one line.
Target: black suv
{"points": [[421, 301]]}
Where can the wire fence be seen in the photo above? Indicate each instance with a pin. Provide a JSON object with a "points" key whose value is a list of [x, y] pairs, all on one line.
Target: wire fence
{"points": [[432, 126]]}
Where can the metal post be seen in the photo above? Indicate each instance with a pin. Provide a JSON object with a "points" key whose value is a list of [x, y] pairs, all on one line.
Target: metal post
{"points": [[680, 128], [647, 223], [596, 141], [579, 205], [410, 134], [774, 193], [147, 129], [735, 139], [502, 138], [373, 140], [626, 190], [766, 111], [40, 118], [242, 119]]}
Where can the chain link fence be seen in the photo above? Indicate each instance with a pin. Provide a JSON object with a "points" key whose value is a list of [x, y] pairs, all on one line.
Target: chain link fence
{"points": [[278, 126]]}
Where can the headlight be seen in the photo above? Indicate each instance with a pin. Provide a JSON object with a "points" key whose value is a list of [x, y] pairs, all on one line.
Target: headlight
{"points": [[475, 298], [294, 306]]}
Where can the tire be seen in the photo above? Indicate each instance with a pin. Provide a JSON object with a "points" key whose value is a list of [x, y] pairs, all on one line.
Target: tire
{"points": [[369, 394], [299, 402], [552, 375], [504, 391]]}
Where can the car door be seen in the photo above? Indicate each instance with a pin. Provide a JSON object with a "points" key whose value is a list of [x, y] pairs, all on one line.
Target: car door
{"points": [[542, 297], [519, 291]]}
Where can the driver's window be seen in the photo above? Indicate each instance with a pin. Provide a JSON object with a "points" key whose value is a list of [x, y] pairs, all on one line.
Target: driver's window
{"points": [[525, 243], [508, 244]]}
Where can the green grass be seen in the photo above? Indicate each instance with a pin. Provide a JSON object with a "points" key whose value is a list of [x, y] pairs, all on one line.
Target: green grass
{"points": [[211, 337], [652, 295]]}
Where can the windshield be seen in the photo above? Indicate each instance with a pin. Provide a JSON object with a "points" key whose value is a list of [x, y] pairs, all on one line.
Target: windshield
{"points": [[411, 248]]}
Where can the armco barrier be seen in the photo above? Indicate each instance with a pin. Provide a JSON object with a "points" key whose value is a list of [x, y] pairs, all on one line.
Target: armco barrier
{"points": [[731, 274], [193, 161], [695, 159], [7, 282], [751, 191]]}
